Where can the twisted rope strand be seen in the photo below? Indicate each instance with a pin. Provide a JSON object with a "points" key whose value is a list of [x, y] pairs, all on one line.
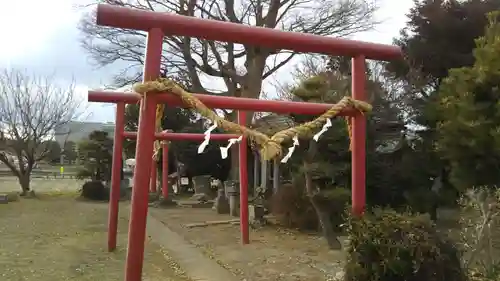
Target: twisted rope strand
{"points": [[270, 147], [160, 108]]}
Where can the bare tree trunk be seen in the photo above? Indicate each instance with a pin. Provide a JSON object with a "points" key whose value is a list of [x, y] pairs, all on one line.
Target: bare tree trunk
{"points": [[433, 208], [323, 215], [24, 181]]}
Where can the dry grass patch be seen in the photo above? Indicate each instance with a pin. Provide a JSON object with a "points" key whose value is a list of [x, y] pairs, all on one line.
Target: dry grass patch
{"points": [[55, 237]]}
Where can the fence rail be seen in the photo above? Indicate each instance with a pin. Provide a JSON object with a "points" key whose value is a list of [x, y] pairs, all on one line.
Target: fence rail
{"points": [[41, 174]]}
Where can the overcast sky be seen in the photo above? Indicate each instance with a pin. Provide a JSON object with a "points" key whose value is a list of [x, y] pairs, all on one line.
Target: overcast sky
{"points": [[42, 37]]}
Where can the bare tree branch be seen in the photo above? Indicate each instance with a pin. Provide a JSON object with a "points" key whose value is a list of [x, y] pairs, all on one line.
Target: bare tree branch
{"points": [[241, 69], [32, 108]]}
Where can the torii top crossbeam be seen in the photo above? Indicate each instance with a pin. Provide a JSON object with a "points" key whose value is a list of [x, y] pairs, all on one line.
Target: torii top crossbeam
{"points": [[172, 24]]}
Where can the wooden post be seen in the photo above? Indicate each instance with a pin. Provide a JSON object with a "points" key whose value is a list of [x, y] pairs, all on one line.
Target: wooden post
{"points": [[276, 175]]}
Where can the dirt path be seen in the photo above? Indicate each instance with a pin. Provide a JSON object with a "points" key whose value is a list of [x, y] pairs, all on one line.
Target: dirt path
{"points": [[273, 255], [62, 239]]}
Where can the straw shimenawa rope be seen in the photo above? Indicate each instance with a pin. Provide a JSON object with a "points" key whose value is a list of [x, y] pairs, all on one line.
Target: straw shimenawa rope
{"points": [[159, 115], [270, 147]]}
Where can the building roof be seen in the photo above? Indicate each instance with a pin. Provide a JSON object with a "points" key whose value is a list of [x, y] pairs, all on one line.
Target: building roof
{"points": [[272, 123]]}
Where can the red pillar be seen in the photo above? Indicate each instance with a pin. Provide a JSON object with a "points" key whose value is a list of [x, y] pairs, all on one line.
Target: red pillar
{"points": [[245, 239], [358, 153], [116, 176], [144, 153], [154, 176], [164, 171]]}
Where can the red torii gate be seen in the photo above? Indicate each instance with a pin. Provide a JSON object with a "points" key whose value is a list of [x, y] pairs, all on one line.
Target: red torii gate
{"points": [[160, 24]]}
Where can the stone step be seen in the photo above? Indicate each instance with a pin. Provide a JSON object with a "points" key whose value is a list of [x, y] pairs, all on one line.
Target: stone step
{"points": [[195, 204], [4, 198]]}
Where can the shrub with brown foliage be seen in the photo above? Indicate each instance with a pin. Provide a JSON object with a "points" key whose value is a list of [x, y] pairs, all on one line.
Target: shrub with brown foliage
{"points": [[95, 190], [293, 209], [391, 246], [335, 200]]}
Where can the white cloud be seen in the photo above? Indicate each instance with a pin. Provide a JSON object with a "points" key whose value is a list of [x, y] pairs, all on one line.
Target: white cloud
{"points": [[42, 37], [392, 15], [28, 26]]}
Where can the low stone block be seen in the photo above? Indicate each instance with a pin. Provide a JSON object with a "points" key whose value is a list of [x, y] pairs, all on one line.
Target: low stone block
{"points": [[221, 204], [202, 197], [256, 213], [201, 186], [232, 187], [165, 203]]}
